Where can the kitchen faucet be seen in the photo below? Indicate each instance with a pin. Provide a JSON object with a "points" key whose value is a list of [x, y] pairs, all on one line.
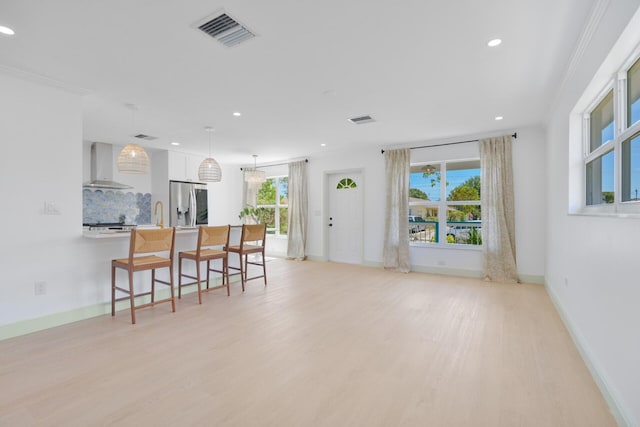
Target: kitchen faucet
{"points": [[155, 212]]}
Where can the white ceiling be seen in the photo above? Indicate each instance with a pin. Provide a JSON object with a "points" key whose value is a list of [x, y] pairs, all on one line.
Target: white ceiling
{"points": [[421, 68]]}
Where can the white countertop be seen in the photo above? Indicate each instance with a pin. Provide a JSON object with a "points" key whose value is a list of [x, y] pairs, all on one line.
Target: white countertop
{"points": [[119, 234]]}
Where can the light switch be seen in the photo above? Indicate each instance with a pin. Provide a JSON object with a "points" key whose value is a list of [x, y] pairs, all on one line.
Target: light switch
{"points": [[51, 208]]}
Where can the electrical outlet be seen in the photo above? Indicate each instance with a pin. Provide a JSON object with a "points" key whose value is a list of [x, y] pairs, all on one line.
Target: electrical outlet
{"points": [[40, 288]]}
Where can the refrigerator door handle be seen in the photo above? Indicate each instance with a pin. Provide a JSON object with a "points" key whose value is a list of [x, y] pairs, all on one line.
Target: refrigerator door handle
{"points": [[192, 207]]}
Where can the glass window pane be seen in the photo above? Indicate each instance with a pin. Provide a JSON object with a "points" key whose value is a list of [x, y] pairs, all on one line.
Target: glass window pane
{"points": [[463, 180], [424, 183], [284, 218], [601, 120], [423, 224], [267, 192], [631, 168], [284, 190], [600, 180], [464, 225], [633, 93]]}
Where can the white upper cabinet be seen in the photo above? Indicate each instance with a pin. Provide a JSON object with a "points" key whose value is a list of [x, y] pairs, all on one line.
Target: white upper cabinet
{"points": [[183, 166]]}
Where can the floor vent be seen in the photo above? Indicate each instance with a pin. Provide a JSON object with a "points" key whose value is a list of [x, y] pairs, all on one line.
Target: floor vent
{"points": [[225, 29], [361, 120], [145, 137]]}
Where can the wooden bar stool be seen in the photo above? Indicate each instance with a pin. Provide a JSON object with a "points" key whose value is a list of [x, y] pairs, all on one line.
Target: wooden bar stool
{"points": [[207, 237], [252, 241], [144, 242]]}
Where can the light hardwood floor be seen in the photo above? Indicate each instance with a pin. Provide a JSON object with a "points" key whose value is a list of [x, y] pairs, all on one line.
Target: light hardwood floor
{"points": [[322, 345]]}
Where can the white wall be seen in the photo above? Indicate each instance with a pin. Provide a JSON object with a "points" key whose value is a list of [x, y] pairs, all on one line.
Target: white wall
{"points": [[225, 197], [591, 262], [41, 134], [42, 160], [529, 178]]}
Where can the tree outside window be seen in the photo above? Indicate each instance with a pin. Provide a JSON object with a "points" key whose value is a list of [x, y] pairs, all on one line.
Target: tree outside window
{"points": [[454, 202], [272, 203]]}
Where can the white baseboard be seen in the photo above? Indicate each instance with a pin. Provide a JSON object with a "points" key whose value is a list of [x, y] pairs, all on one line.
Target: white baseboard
{"points": [[608, 391]]}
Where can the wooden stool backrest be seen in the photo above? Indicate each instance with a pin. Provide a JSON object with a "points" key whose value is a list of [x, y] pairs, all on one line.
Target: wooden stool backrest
{"points": [[157, 240], [253, 233], [213, 236]]}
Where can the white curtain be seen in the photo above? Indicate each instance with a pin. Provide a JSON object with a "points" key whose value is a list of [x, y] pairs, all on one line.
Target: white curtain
{"points": [[298, 201], [397, 165], [498, 213], [250, 193]]}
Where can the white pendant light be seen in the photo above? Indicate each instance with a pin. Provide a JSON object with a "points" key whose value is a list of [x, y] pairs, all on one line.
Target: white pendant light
{"points": [[209, 170], [133, 159], [254, 176]]}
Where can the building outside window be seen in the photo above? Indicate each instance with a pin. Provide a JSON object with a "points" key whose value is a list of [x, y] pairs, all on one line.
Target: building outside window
{"points": [[273, 204], [444, 203], [612, 143]]}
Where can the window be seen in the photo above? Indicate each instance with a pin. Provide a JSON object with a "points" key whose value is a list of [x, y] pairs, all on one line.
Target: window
{"points": [[612, 144], [445, 193], [633, 94], [346, 183], [273, 203]]}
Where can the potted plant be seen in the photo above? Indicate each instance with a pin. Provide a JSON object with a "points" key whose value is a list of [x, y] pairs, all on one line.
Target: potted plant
{"points": [[250, 215]]}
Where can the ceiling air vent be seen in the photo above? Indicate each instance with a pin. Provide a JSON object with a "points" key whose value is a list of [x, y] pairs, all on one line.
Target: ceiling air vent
{"points": [[145, 137], [225, 29], [361, 120]]}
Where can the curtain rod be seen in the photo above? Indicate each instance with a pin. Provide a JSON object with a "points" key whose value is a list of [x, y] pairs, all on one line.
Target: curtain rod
{"points": [[277, 164], [515, 136]]}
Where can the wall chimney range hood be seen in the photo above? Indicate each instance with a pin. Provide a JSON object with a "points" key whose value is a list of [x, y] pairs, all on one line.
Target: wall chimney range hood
{"points": [[102, 168]]}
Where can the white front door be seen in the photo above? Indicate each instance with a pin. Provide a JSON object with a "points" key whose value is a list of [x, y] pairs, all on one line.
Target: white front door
{"points": [[345, 217]]}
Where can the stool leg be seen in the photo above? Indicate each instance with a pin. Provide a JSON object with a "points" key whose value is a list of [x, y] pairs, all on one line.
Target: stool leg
{"points": [[113, 290], [264, 268], [173, 298], [225, 272], [180, 277], [208, 272], [131, 297], [153, 284], [242, 272], [198, 279]]}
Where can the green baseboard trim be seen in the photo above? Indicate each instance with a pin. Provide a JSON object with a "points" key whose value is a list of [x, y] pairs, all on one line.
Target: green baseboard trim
{"points": [[531, 278], [28, 326], [593, 365]]}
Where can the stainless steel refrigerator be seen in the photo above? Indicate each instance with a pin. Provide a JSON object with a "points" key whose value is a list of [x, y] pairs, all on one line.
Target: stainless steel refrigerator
{"points": [[188, 204]]}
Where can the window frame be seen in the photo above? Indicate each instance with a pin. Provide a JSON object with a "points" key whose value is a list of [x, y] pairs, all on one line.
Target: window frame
{"points": [[618, 85], [442, 205], [277, 206]]}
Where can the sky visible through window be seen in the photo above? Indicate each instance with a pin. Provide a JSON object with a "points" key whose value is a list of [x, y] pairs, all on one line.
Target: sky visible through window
{"points": [[608, 163], [454, 178]]}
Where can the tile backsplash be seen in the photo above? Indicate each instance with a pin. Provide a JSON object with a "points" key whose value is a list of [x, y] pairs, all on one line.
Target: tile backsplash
{"points": [[113, 205]]}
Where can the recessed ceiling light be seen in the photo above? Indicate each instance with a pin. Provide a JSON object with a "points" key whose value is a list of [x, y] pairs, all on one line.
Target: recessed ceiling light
{"points": [[499, 117], [6, 30], [323, 145], [494, 42], [175, 143], [237, 114]]}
